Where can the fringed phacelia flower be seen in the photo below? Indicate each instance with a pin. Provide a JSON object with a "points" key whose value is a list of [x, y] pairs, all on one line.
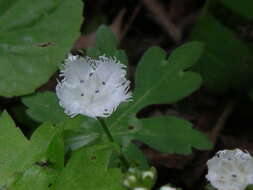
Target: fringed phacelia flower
{"points": [[230, 170], [92, 87]]}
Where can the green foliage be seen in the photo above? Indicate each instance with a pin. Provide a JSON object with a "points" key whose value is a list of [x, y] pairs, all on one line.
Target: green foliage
{"points": [[243, 8], [106, 43], [136, 156], [170, 134], [81, 131], [28, 164], [73, 153], [161, 81], [88, 169], [35, 177], [23, 118], [41, 105], [169, 83], [227, 61], [39, 162], [34, 41], [12, 145]]}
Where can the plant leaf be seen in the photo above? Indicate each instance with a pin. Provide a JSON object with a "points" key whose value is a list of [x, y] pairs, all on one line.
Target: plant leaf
{"points": [[106, 44], [44, 107], [12, 145], [171, 135], [20, 157], [34, 41], [161, 81], [88, 169], [244, 8], [164, 82], [81, 131], [36, 177], [135, 155]]}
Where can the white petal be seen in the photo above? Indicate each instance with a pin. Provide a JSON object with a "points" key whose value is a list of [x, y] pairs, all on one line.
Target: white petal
{"points": [[230, 169], [92, 87], [76, 70]]}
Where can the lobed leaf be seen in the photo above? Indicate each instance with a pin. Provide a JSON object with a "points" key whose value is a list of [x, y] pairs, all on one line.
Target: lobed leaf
{"points": [[171, 134], [22, 161], [161, 81], [158, 81], [88, 169], [35, 177]]}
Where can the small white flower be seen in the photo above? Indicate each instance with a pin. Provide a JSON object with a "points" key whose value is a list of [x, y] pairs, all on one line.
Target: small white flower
{"points": [[131, 179], [92, 87], [148, 174], [230, 170]]}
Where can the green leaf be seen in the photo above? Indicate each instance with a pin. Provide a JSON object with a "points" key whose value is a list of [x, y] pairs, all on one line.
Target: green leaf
{"points": [[167, 76], [10, 149], [88, 169], [243, 8], [4, 5], [171, 134], [55, 152], [46, 145], [81, 131], [12, 145], [43, 160], [106, 44], [20, 157], [135, 155], [36, 177], [41, 140], [23, 119], [35, 37], [44, 107], [161, 81], [226, 62]]}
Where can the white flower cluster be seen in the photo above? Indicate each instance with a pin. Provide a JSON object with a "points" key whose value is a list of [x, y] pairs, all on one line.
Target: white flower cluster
{"points": [[137, 179], [230, 170], [92, 87]]}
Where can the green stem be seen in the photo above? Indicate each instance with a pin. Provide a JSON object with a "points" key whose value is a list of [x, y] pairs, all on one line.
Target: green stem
{"points": [[110, 138]]}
